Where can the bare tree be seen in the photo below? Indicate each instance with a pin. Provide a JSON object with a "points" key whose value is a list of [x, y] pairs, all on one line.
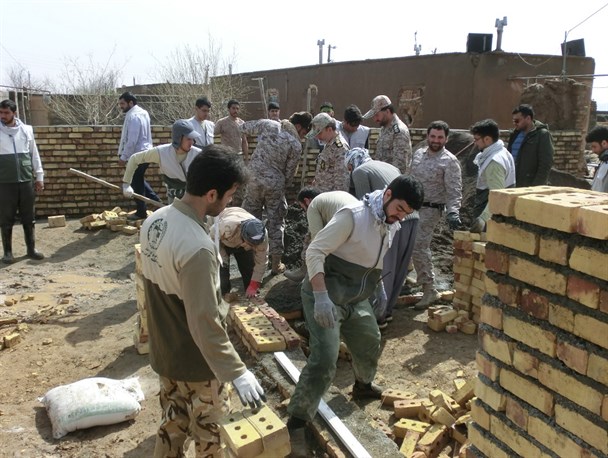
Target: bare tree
{"points": [[21, 78], [86, 93], [189, 73]]}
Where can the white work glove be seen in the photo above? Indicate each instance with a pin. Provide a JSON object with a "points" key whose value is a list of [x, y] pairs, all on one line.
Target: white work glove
{"points": [[478, 225], [325, 310], [127, 190], [249, 390]]}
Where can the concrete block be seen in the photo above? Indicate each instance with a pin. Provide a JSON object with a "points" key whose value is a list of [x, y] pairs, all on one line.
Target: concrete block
{"points": [[502, 201], [559, 211], [57, 221], [513, 237], [590, 261], [570, 387], [593, 221], [528, 391], [537, 275]]}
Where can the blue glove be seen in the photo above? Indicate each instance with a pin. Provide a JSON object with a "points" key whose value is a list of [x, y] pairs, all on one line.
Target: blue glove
{"points": [[325, 310], [454, 221]]}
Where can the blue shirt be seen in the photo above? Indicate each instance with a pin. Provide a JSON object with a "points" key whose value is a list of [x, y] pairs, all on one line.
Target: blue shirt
{"points": [[516, 146]]}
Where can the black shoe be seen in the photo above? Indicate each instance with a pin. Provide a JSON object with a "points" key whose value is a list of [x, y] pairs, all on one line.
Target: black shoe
{"points": [[388, 318], [135, 217], [382, 324], [299, 446], [367, 390]]}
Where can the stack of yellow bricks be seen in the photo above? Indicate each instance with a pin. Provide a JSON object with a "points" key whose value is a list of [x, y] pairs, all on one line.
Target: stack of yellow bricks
{"points": [[262, 329], [254, 433], [542, 388], [115, 220], [469, 272], [140, 335]]}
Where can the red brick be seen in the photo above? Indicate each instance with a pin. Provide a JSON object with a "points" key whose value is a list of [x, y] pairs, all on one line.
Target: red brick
{"points": [[534, 304], [497, 261], [487, 367], [508, 294], [583, 291], [516, 413], [574, 357]]}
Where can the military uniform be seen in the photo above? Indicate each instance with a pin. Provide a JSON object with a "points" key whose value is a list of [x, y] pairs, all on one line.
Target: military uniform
{"points": [[394, 145], [441, 178], [230, 134], [331, 174], [272, 166]]}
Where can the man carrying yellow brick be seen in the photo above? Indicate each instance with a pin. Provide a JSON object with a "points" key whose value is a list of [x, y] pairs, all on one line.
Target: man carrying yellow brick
{"points": [[344, 263], [496, 169], [189, 345]]}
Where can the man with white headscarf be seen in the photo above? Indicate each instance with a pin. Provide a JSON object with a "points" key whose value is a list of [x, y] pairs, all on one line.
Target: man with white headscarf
{"points": [[368, 175]]}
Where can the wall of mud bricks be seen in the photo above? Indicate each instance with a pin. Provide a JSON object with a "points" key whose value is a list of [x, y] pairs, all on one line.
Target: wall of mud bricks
{"points": [[93, 150], [542, 388]]}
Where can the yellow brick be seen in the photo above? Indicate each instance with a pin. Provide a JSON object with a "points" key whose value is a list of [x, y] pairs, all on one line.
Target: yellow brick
{"points": [[465, 393], [530, 334], [491, 286], [559, 211], [597, 368], [390, 396], [593, 221], [578, 425], [479, 414], [502, 201], [517, 413], [491, 316], [561, 317], [553, 250], [240, 435], [570, 387], [591, 329], [442, 416], [513, 237], [487, 367], [525, 363], [605, 407], [56, 221], [530, 392], [513, 439], [559, 443], [408, 447], [498, 348], [441, 399], [590, 261], [269, 343], [485, 444], [434, 440], [404, 425], [269, 426], [407, 408], [490, 396], [539, 276]]}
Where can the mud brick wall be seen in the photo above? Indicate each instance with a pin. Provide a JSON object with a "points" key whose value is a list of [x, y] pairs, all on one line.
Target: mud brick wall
{"points": [[93, 150], [542, 388]]}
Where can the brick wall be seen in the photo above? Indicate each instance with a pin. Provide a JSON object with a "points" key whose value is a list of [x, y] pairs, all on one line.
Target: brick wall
{"points": [[542, 388], [93, 150]]}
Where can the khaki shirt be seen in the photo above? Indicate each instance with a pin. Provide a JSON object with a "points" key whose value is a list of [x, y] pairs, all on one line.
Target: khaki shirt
{"points": [[394, 145]]}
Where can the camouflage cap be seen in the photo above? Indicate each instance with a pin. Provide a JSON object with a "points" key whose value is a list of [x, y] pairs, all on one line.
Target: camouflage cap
{"points": [[320, 122], [379, 103]]}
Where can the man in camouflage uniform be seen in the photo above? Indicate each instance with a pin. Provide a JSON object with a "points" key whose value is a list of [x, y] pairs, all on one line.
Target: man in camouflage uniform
{"points": [[394, 144], [272, 167], [330, 174], [439, 172]]}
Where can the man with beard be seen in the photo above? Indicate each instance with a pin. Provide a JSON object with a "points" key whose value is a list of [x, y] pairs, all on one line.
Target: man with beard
{"points": [[439, 172], [394, 144], [21, 177], [598, 141], [190, 348], [173, 159], [496, 169], [136, 136], [344, 263], [229, 130]]}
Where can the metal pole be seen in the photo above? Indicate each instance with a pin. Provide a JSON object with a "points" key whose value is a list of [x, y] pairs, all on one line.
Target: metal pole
{"points": [[320, 44]]}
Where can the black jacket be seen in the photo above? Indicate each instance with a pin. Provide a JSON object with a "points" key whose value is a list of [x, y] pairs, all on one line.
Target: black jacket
{"points": [[535, 159]]}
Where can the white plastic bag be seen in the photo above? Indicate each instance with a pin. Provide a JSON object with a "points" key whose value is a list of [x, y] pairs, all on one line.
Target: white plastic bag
{"points": [[92, 402]]}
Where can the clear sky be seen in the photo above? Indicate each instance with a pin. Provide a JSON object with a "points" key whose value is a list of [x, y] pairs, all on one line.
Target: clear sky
{"points": [[264, 34]]}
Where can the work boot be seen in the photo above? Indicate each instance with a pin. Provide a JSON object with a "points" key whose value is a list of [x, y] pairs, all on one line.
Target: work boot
{"points": [[430, 295], [296, 275], [277, 267], [30, 242], [7, 244], [297, 440], [367, 390]]}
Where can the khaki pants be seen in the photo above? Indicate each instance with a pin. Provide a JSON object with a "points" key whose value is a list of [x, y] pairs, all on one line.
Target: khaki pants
{"points": [[191, 410]]}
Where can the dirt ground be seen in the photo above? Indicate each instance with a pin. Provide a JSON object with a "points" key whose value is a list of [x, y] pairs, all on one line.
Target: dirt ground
{"points": [[80, 322]]}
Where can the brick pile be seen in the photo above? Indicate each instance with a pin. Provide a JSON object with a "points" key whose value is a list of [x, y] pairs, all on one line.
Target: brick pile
{"points": [[469, 272], [542, 388]]}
